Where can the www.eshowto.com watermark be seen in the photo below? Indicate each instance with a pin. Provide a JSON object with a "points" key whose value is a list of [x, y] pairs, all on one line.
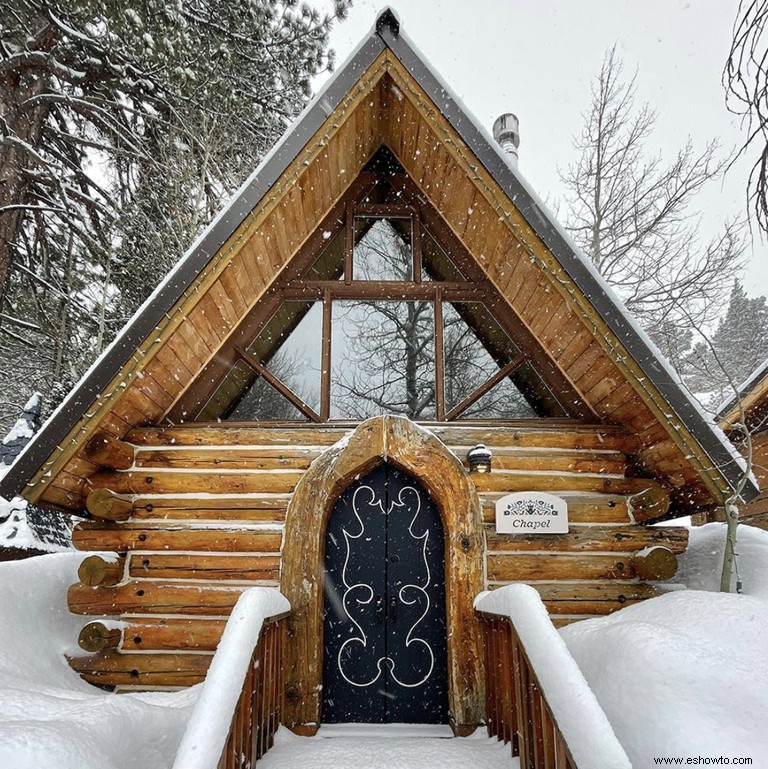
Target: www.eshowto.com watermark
{"points": [[703, 761]]}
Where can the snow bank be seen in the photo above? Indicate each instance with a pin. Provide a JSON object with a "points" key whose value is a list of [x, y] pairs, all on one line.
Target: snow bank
{"points": [[700, 566], [49, 717], [682, 675], [583, 724], [208, 728]]}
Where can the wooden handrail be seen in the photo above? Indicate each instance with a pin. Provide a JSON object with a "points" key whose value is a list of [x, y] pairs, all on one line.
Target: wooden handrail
{"points": [[238, 711], [537, 698]]}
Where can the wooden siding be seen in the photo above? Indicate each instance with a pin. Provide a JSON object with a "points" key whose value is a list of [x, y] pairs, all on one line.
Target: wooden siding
{"points": [[211, 523]]}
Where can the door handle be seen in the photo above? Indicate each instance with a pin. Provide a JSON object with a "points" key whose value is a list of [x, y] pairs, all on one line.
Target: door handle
{"points": [[393, 609], [379, 609]]}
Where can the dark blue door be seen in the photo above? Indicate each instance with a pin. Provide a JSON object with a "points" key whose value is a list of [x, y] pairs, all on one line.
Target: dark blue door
{"points": [[385, 649]]}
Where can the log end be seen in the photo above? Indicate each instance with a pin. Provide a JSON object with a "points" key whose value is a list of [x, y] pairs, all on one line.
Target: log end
{"points": [[107, 451], [103, 503], [94, 571], [96, 637], [655, 563]]}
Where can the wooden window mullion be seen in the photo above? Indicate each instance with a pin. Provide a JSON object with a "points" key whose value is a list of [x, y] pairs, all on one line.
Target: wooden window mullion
{"points": [[272, 380], [487, 386], [325, 373], [439, 357]]}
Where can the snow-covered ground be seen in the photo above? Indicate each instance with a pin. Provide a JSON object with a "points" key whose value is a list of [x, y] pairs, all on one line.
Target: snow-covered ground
{"points": [[684, 675], [49, 717]]}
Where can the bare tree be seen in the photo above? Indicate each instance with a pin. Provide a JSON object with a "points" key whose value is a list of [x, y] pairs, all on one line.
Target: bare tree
{"points": [[389, 350], [745, 78], [630, 212]]}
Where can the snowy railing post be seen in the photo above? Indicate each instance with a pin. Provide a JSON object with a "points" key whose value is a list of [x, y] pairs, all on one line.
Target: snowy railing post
{"points": [[238, 712], [537, 699]]}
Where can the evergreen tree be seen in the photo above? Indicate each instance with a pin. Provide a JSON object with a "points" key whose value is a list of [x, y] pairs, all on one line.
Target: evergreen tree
{"points": [[122, 129], [736, 348]]}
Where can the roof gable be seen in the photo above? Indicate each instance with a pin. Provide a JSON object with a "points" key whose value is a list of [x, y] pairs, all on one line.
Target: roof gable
{"points": [[385, 94]]}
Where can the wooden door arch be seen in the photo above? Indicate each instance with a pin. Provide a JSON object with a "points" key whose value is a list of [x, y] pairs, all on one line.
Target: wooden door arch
{"points": [[413, 449]]}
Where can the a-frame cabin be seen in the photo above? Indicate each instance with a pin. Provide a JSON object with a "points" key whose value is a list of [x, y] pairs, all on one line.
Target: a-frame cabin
{"points": [[384, 293]]}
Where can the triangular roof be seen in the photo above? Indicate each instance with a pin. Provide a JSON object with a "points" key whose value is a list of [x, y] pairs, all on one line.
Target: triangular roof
{"points": [[750, 395], [385, 94]]}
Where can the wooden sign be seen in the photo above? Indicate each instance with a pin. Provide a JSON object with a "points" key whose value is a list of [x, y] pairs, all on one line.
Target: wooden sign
{"points": [[531, 512]]}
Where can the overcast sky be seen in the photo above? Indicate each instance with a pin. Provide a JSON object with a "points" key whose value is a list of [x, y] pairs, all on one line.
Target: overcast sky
{"points": [[536, 58]]}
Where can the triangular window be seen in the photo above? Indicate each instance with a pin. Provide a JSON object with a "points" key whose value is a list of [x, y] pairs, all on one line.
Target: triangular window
{"points": [[381, 313]]}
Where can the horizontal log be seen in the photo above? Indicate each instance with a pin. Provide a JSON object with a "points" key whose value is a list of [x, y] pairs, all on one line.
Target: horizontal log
{"points": [[253, 509], [103, 503], [230, 458], [582, 508], [146, 597], [655, 563], [545, 433], [232, 435], [282, 458], [526, 567], [170, 634], [583, 595], [566, 436], [202, 566], [96, 637], [508, 481], [587, 608], [587, 462], [139, 536], [616, 539], [111, 668], [95, 570], [151, 481], [107, 451]]}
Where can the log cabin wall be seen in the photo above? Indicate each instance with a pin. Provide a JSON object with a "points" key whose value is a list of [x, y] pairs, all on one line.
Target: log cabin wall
{"points": [[203, 509]]}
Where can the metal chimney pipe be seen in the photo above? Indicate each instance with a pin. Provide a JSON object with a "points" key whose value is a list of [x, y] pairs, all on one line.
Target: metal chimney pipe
{"points": [[506, 131]]}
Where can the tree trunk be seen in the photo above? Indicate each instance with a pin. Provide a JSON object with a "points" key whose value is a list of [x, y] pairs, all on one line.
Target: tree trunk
{"points": [[20, 129]]}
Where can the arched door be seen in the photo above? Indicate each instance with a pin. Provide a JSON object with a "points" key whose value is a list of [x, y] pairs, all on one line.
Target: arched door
{"points": [[385, 648]]}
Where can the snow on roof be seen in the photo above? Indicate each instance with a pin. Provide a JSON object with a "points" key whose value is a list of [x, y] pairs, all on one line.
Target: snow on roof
{"points": [[22, 431]]}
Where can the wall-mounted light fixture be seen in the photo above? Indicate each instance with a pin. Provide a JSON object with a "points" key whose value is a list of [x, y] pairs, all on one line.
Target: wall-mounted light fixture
{"points": [[479, 459]]}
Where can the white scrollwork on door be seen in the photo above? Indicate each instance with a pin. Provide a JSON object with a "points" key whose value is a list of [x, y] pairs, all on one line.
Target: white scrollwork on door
{"points": [[361, 593]]}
